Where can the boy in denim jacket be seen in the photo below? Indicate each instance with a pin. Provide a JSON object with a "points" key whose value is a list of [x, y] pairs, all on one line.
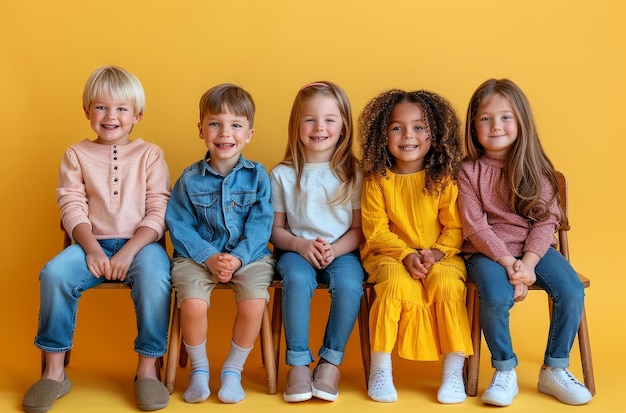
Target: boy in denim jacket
{"points": [[220, 220]]}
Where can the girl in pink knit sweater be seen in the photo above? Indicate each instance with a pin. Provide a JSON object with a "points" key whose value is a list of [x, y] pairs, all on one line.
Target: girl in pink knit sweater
{"points": [[508, 200]]}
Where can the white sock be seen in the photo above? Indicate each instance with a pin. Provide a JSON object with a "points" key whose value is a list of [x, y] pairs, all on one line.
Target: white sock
{"points": [[198, 389], [380, 386], [452, 388], [231, 390]]}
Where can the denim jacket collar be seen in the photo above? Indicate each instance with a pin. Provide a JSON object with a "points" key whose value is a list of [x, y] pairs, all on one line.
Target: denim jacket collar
{"points": [[241, 163]]}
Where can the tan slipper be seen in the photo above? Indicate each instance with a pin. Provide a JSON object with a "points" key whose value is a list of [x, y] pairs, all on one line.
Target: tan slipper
{"points": [[40, 397], [325, 382], [151, 394], [298, 384]]}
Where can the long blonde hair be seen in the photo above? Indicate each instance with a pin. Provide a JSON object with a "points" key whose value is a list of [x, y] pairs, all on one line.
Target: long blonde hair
{"points": [[526, 163], [343, 162]]}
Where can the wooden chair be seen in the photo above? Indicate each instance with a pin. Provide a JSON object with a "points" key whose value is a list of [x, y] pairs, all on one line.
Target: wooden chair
{"points": [[107, 285], [473, 307], [177, 356], [363, 322]]}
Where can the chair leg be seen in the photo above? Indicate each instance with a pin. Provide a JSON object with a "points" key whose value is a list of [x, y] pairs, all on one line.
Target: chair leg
{"points": [[277, 324], [267, 348], [364, 334], [585, 354], [585, 351], [472, 365], [173, 352], [158, 364]]}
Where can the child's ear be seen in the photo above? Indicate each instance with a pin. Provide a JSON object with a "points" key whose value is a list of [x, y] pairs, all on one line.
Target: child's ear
{"points": [[250, 133], [138, 117], [200, 130], [86, 110]]}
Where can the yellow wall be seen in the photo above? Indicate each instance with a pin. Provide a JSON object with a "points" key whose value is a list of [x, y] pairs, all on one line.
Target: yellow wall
{"points": [[567, 56]]}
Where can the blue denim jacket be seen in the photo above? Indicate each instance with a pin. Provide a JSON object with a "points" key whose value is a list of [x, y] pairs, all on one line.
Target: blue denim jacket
{"points": [[209, 213]]}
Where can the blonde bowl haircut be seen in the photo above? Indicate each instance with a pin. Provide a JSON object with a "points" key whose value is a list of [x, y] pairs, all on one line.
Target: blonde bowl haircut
{"points": [[117, 83]]}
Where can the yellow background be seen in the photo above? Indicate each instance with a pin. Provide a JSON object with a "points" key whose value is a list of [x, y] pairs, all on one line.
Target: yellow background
{"points": [[568, 56]]}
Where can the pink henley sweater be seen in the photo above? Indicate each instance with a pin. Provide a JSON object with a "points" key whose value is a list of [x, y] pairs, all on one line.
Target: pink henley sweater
{"points": [[113, 188], [489, 225]]}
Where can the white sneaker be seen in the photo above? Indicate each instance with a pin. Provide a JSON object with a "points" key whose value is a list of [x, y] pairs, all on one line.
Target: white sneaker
{"points": [[560, 383], [502, 390]]}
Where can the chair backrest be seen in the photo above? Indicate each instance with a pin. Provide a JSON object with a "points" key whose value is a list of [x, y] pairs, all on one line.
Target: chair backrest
{"points": [[564, 227]]}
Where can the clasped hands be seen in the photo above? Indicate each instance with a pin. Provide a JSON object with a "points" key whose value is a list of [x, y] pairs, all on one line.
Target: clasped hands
{"points": [[419, 263], [319, 253], [112, 269], [223, 265], [521, 275]]}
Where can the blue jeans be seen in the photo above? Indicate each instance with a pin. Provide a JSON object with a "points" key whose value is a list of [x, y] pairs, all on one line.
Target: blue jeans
{"points": [[64, 279], [554, 275], [344, 277]]}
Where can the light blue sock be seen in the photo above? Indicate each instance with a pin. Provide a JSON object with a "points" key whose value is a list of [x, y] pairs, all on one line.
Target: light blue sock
{"points": [[231, 390], [198, 389]]}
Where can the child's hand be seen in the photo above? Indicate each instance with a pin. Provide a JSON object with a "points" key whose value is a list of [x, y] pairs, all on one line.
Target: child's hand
{"points": [[417, 269], [327, 251], [523, 274], [99, 264], [120, 264], [230, 264], [313, 251], [520, 291], [428, 258], [223, 266], [512, 266]]}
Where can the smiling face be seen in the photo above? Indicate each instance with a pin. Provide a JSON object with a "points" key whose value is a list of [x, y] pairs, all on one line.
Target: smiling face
{"points": [[496, 125], [225, 136], [320, 128], [408, 138], [112, 120]]}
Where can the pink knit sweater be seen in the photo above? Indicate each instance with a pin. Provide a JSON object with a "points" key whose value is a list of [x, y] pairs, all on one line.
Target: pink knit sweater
{"points": [[489, 225], [113, 188]]}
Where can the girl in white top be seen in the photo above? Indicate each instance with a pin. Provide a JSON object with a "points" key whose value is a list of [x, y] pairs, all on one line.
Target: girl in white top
{"points": [[316, 195]]}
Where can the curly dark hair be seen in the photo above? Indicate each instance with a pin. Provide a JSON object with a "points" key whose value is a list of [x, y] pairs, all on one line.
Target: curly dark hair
{"points": [[444, 158]]}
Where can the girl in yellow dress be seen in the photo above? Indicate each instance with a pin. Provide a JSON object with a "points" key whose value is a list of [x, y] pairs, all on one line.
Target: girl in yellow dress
{"points": [[411, 151]]}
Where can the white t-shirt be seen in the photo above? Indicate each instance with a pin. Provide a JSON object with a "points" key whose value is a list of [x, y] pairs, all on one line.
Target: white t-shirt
{"points": [[308, 212]]}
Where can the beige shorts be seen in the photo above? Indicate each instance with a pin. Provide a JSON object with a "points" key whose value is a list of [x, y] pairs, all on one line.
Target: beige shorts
{"points": [[193, 280]]}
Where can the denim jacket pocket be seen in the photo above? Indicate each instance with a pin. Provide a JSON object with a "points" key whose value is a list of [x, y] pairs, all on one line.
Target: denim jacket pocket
{"points": [[243, 200], [207, 206]]}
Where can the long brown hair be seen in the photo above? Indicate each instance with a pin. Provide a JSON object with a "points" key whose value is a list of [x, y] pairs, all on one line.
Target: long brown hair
{"points": [[526, 163]]}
